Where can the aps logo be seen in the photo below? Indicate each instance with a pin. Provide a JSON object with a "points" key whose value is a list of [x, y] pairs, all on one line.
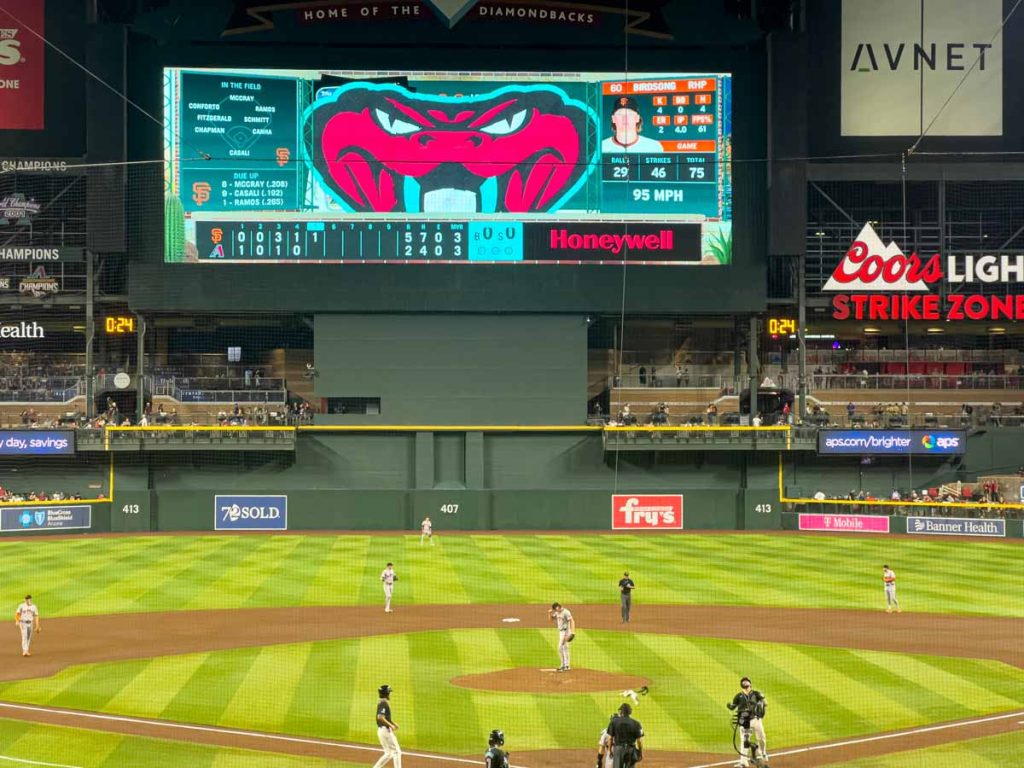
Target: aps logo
{"points": [[10, 48], [647, 512], [931, 442]]}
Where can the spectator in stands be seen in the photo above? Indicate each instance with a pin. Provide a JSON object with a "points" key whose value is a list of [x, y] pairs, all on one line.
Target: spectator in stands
{"points": [[643, 376], [247, 377], [712, 414], [756, 421], [257, 378], [995, 415], [850, 410], [787, 414], [679, 376], [965, 414]]}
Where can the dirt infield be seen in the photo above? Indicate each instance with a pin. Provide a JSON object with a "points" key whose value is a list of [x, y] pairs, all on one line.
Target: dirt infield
{"points": [[89, 639], [526, 680]]}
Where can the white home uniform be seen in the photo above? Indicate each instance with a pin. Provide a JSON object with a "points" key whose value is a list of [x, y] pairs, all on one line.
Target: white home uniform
{"points": [[388, 577], [427, 530], [27, 617]]}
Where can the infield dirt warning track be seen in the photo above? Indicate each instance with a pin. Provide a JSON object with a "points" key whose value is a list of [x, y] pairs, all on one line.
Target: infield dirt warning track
{"points": [[71, 641]]}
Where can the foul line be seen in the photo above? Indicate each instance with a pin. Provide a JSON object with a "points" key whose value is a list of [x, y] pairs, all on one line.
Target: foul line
{"points": [[36, 762], [867, 739], [225, 731]]}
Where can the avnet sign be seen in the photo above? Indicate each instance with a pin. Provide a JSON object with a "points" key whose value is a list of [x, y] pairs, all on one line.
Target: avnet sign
{"points": [[903, 61], [250, 513], [645, 512], [875, 281]]}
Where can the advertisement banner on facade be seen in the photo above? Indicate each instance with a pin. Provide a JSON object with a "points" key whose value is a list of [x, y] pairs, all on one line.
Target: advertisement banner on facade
{"points": [[49, 518], [22, 60], [889, 442], [845, 523], [36, 442], [646, 512], [955, 526], [910, 67], [250, 513]]}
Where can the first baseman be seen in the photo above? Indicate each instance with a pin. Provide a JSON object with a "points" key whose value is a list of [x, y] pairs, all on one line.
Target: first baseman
{"points": [[386, 731], [566, 632], [389, 577], [27, 620], [889, 579]]}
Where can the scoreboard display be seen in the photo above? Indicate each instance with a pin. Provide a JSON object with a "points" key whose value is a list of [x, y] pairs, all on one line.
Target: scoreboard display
{"points": [[390, 167]]}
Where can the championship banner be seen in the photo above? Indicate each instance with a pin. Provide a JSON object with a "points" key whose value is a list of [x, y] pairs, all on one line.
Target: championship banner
{"points": [[22, 60]]}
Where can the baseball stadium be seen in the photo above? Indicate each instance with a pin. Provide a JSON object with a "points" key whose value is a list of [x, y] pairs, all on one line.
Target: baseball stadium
{"points": [[511, 383]]}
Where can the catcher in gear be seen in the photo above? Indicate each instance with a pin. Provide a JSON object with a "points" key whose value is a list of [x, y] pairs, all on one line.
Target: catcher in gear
{"points": [[566, 632], [749, 707], [496, 757]]}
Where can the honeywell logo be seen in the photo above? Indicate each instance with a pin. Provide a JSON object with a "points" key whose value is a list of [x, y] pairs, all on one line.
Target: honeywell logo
{"points": [[564, 240]]}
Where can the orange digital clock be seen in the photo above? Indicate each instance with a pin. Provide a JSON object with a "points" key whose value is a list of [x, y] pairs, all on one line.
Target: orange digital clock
{"points": [[781, 326], [116, 324]]}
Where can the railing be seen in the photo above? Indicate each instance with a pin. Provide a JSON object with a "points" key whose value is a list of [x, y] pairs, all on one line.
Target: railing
{"points": [[49, 394], [914, 381], [228, 396], [905, 507], [168, 383], [670, 380]]}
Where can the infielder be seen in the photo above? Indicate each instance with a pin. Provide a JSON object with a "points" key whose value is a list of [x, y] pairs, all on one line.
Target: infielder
{"points": [[626, 587], [427, 530], [386, 731], [389, 577], [889, 579], [496, 757], [27, 620], [749, 706], [566, 632]]}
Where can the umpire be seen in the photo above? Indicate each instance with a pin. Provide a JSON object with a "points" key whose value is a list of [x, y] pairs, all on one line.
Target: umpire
{"points": [[627, 739], [626, 587]]}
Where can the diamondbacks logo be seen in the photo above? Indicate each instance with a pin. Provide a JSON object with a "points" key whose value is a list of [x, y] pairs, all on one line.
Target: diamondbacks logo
{"points": [[39, 284], [870, 265], [517, 149]]}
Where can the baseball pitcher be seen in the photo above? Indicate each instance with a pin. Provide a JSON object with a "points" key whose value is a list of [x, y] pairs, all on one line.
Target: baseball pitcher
{"points": [[566, 632]]}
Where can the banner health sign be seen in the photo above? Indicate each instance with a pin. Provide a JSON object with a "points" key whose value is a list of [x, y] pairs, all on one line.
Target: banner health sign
{"points": [[956, 526], [250, 513], [917, 442], [27, 519], [37, 442]]}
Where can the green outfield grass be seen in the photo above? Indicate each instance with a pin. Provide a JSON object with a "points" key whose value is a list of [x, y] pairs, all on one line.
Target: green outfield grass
{"points": [[32, 743], [328, 689], [990, 752], [154, 573]]}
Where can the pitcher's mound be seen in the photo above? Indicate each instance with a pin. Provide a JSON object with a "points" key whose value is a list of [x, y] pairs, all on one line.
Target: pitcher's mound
{"points": [[526, 680]]}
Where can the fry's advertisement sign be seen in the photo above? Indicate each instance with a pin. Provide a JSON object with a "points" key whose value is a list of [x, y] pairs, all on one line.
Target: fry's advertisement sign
{"points": [[879, 282]]}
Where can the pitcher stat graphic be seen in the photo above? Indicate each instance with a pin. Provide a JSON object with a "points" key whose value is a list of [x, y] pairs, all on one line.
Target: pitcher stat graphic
{"points": [[378, 167]]}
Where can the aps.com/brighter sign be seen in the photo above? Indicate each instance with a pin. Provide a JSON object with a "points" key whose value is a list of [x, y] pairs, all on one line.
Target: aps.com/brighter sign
{"points": [[887, 442]]}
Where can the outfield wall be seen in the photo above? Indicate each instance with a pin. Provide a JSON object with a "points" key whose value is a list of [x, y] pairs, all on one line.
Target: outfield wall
{"points": [[477, 480]]}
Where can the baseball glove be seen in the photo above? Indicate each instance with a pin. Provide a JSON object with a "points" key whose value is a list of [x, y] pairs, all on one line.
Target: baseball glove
{"points": [[570, 638]]}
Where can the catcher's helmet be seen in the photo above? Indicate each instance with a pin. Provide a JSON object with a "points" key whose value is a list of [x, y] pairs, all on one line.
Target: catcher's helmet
{"points": [[384, 691], [496, 738]]}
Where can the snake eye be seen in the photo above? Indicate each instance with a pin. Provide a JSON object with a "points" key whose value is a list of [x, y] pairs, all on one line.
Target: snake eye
{"points": [[506, 125], [394, 125]]}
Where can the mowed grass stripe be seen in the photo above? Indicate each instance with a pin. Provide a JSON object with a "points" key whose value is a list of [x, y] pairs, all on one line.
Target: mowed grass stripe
{"points": [[205, 695], [324, 700], [436, 658], [93, 689], [278, 669], [25, 741], [147, 693], [237, 581], [989, 752], [444, 583]]}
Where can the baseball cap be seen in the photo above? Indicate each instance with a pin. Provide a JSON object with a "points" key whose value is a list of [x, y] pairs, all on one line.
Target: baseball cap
{"points": [[626, 102]]}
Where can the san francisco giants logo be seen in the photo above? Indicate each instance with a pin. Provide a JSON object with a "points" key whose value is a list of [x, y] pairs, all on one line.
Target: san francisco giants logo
{"points": [[200, 192], [283, 156], [216, 234]]}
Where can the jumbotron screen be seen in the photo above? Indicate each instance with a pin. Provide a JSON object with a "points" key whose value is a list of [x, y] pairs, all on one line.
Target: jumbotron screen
{"points": [[273, 166]]}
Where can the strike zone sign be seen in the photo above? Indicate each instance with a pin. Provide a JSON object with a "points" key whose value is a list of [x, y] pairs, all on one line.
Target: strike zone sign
{"points": [[879, 282]]}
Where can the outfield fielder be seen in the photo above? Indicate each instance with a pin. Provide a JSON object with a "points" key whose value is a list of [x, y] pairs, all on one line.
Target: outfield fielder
{"points": [[427, 530], [889, 579], [386, 731], [566, 632], [27, 620], [389, 577]]}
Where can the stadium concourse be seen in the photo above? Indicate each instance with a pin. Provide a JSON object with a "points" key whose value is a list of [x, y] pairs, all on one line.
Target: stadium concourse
{"points": [[415, 382]]}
